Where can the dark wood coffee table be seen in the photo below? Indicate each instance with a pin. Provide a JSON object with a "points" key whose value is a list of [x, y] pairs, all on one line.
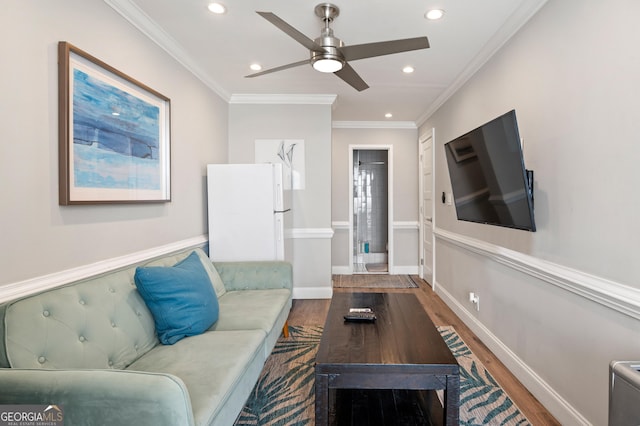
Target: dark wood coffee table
{"points": [[402, 349]]}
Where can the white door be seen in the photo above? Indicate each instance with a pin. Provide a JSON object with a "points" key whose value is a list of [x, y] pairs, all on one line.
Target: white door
{"points": [[426, 208]]}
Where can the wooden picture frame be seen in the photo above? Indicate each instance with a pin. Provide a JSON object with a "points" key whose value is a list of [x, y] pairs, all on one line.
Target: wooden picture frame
{"points": [[114, 134]]}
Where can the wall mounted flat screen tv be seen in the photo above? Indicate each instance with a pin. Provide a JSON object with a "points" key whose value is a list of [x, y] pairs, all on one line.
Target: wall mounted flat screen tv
{"points": [[489, 181]]}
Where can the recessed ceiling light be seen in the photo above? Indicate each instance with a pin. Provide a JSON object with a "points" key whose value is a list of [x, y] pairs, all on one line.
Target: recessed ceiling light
{"points": [[408, 69], [217, 8], [388, 115], [255, 67], [434, 14]]}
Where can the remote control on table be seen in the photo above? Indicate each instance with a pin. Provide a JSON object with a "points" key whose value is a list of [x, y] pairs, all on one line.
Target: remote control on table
{"points": [[360, 317], [360, 310]]}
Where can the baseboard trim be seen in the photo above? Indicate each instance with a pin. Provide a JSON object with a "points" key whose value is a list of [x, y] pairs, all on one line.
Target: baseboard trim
{"points": [[340, 270], [312, 292], [406, 270], [564, 412], [45, 282], [619, 297]]}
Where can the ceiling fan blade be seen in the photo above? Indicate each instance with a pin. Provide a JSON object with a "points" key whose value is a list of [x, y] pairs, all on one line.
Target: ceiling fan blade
{"points": [[280, 68], [291, 32], [351, 77], [369, 50]]}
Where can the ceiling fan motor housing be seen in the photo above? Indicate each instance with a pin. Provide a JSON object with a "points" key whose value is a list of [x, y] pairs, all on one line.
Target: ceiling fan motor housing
{"points": [[330, 45], [327, 12]]}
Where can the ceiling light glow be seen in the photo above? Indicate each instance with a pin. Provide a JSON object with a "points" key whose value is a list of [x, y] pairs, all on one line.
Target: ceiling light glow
{"points": [[327, 65], [434, 14], [408, 69], [388, 115], [217, 8], [255, 67]]}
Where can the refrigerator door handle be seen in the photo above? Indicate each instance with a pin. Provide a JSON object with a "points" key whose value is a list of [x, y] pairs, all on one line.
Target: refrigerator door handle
{"points": [[281, 211]]}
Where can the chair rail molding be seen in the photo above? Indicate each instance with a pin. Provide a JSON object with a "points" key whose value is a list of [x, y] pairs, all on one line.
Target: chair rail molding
{"points": [[617, 296], [344, 225], [34, 285], [308, 233]]}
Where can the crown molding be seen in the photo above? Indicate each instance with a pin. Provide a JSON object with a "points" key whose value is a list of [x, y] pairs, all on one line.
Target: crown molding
{"points": [[275, 99], [374, 125], [132, 13], [516, 21]]}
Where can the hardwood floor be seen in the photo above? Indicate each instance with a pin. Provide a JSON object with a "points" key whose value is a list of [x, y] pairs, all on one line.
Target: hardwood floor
{"points": [[314, 312]]}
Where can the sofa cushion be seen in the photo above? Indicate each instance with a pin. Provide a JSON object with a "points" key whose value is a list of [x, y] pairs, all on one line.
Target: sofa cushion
{"points": [[101, 322], [214, 276], [265, 310], [218, 368], [251, 309], [181, 298]]}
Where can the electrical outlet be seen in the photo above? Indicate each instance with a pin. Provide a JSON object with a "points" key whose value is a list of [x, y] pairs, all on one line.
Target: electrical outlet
{"points": [[475, 299]]}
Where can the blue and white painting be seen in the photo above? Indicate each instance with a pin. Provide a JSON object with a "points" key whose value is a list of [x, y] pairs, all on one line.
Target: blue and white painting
{"points": [[116, 137]]}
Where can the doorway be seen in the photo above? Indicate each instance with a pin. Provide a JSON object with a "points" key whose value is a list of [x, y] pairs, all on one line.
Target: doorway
{"points": [[427, 246], [370, 212]]}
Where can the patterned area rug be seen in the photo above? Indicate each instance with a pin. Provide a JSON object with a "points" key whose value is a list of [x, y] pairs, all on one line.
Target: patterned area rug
{"points": [[482, 400], [373, 281], [284, 394]]}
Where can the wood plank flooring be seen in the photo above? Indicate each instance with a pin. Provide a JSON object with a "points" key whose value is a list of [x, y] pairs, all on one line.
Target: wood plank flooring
{"points": [[314, 312]]}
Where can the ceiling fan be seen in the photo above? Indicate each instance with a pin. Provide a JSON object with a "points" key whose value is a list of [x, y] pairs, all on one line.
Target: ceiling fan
{"points": [[329, 54]]}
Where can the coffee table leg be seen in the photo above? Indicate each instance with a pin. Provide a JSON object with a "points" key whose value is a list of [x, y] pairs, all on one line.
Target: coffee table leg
{"points": [[452, 400], [322, 399]]}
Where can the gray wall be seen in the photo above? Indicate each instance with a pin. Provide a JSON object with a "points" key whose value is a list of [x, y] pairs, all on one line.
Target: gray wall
{"points": [[311, 207], [40, 237], [559, 304], [405, 191]]}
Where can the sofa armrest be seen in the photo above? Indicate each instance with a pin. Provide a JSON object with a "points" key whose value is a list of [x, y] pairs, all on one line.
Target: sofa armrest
{"points": [[255, 275], [115, 397]]}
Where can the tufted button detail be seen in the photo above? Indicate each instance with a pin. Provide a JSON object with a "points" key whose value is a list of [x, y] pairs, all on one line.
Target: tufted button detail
{"points": [[113, 324], [41, 360], [135, 347], [112, 290], [82, 339], [82, 302], [110, 363], [45, 313]]}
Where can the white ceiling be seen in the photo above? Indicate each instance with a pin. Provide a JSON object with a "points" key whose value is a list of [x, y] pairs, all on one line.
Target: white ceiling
{"points": [[220, 48]]}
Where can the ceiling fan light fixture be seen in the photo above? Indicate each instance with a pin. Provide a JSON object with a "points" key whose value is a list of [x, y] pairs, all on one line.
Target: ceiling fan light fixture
{"points": [[217, 8], [434, 14], [327, 65]]}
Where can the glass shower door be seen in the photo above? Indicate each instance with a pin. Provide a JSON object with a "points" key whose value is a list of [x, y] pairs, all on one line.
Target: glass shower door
{"points": [[370, 211]]}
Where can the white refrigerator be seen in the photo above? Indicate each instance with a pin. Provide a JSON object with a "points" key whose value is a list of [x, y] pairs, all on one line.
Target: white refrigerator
{"points": [[248, 208]]}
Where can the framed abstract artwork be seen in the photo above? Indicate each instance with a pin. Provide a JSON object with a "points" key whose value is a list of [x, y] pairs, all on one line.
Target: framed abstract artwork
{"points": [[114, 134]]}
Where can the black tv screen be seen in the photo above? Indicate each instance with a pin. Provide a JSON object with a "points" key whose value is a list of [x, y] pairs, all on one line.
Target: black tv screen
{"points": [[489, 181]]}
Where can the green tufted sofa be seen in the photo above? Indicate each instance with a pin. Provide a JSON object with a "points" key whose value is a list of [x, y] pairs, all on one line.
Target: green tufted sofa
{"points": [[91, 347]]}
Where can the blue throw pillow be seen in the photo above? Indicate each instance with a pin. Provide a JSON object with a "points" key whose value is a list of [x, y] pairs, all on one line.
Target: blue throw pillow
{"points": [[181, 298]]}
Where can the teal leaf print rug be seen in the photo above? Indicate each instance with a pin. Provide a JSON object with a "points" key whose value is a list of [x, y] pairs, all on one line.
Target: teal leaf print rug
{"points": [[284, 394], [482, 400]]}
